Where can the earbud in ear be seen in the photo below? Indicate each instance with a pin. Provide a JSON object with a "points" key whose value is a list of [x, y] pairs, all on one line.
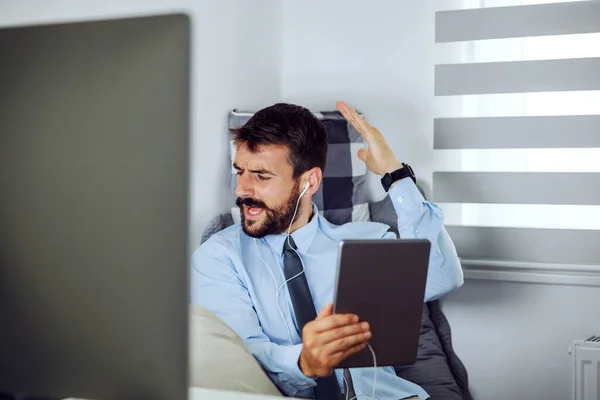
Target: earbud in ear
{"points": [[306, 186]]}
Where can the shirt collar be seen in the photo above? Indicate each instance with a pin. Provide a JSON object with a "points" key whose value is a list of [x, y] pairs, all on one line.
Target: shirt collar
{"points": [[302, 236]]}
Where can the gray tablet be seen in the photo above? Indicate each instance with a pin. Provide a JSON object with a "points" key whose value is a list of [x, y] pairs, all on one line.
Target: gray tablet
{"points": [[383, 282]]}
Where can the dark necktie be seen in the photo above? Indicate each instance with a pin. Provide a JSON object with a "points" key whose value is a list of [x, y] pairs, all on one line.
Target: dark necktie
{"points": [[304, 308]]}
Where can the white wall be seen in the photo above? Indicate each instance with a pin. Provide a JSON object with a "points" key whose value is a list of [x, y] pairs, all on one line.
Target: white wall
{"points": [[374, 55], [514, 337], [379, 56], [236, 64]]}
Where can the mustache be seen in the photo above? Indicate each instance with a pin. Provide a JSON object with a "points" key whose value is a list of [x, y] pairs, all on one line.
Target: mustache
{"points": [[250, 203]]}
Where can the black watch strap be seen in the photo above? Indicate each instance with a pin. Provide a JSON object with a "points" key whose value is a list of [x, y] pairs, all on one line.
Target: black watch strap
{"points": [[394, 176]]}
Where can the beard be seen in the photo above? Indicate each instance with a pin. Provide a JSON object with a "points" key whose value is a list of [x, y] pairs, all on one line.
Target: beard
{"points": [[275, 220]]}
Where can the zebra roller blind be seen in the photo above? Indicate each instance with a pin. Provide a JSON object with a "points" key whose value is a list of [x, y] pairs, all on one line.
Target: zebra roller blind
{"points": [[517, 133]]}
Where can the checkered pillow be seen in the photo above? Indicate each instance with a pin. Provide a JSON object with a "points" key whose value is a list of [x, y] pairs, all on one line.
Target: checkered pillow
{"points": [[342, 196]]}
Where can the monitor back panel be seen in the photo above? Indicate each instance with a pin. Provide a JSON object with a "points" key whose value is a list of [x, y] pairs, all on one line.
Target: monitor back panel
{"points": [[94, 143]]}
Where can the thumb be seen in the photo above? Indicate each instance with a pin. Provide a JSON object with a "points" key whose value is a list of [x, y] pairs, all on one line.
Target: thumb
{"points": [[362, 154], [325, 311]]}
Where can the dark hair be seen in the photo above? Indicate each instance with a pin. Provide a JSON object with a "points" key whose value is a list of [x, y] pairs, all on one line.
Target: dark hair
{"points": [[289, 125]]}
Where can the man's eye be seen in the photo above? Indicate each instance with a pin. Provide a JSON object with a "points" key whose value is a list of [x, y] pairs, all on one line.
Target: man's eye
{"points": [[238, 173], [263, 178]]}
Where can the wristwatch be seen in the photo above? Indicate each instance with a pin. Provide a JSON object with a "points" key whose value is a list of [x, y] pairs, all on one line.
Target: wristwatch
{"points": [[389, 178]]}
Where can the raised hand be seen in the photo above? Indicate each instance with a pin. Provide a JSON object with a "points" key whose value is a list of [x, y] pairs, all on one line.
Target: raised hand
{"points": [[378, 157]]}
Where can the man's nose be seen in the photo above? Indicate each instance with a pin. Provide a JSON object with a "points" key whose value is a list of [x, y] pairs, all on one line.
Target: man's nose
{"points": [[244, 186]]}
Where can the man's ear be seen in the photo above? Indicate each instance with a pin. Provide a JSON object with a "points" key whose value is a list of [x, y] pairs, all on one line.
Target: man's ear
{"points": [[314, 177]]}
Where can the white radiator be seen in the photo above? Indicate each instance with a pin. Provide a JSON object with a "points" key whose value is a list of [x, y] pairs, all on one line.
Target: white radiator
{"points": [[586, 369]]}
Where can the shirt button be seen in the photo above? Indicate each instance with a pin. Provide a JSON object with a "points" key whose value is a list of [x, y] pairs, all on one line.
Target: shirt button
{"points": [[400, 199]]}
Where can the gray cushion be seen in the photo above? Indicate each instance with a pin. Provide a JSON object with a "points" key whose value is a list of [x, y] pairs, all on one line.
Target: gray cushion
{"points": [[383, 211], [444, 332], [431, 371], [215, 225], [219, 359]]}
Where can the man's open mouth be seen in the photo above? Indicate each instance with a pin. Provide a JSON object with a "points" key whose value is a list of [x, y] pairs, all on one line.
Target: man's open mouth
{"points": [[254, 210]]}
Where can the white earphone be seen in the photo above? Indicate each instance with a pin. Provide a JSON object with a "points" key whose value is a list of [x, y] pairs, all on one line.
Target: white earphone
{"points": [[306, 186], [279, 287]]}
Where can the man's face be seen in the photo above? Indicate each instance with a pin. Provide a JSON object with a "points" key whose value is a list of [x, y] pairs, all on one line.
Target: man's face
{"points": [[267, 192]]}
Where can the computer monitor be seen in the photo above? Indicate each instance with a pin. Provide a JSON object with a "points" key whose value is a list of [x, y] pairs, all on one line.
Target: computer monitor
{"points": [[94, 176]]}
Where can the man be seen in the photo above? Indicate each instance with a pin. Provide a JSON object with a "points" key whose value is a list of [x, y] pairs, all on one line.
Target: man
{"points": [[242, 273]]}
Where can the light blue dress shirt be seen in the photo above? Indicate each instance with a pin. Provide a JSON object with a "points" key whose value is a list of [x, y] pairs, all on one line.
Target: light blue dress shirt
{"points": [[233, 276]]}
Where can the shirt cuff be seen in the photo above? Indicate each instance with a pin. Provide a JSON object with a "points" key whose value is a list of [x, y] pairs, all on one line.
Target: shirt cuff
{"points": [[291, 356], [407, 200]]}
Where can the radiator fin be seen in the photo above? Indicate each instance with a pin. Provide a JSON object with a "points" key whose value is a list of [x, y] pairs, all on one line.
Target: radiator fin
{"points": [[593, 338]]}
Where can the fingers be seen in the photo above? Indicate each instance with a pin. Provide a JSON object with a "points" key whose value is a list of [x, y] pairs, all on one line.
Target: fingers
{"points": [[325, 311], [318, 358], [344, 344], [352, 350], [342, 332], [334, 321], [352, 116], [362, 155], [346, 113]]}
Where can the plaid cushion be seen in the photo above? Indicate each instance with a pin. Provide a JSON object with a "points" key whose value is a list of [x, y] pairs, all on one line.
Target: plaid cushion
{"points": [[343, 195]]}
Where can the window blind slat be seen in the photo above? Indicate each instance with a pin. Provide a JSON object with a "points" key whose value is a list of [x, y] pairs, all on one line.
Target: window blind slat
{"points": [[568, 246], [517, 77], [570, 131], [517, 21]]}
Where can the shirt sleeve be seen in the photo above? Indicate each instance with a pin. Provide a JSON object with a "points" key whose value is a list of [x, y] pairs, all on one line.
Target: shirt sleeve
{"points": [[217, 286], [418, 218]]}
